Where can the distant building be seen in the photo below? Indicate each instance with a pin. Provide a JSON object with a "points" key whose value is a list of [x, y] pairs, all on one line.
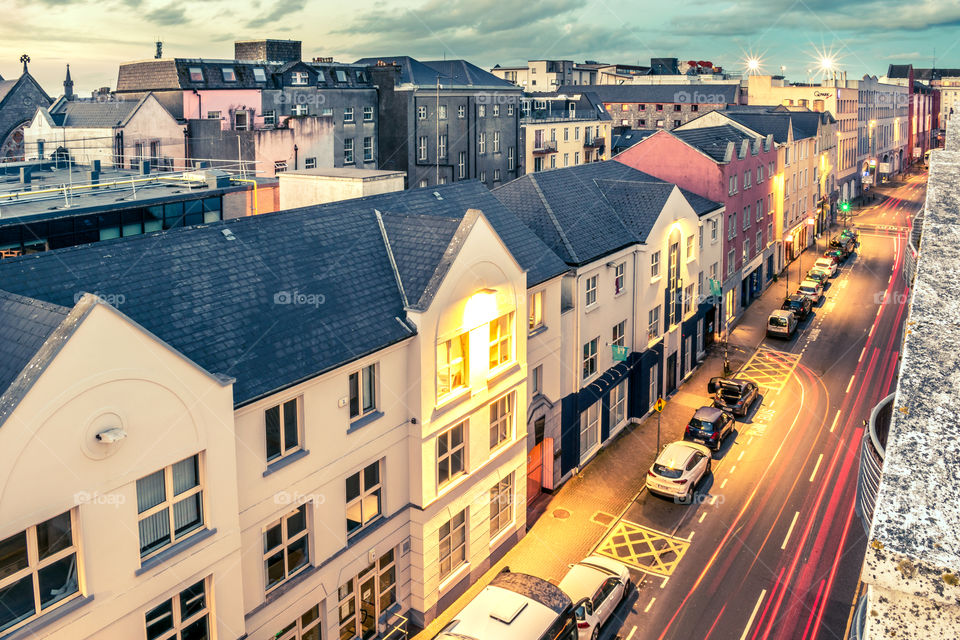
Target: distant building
{"points": [[923, 110], [626, 138], [883, 124], [550, 75], [19, 101], [946, 82], [444, 121], [563, 130]]}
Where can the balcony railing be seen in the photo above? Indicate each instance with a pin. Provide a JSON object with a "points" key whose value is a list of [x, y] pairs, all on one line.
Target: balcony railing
{"points": [[545, 146], [871, 460], [594, 143]]}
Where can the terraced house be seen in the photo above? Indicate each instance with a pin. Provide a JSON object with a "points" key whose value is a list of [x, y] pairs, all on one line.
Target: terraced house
{"points": [[324, 436]]}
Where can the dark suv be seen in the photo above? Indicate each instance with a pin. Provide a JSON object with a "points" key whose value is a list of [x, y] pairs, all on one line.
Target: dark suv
{"points": [[735, 396], [800, 305], [710, 426]]}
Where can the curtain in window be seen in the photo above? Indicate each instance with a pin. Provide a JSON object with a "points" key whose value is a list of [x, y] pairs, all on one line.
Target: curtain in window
{"points": [[150, 491], [154, 531], [185, 475]]}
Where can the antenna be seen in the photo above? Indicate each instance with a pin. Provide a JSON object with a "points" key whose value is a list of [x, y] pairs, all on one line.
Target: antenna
{"points": [[159, 49]]}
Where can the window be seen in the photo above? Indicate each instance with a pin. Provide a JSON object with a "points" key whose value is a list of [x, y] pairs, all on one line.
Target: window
{"points": [[694, 107], [676, 123], [422, 148], [731, 226], [576, 158], [482, 142], [363, 394], [347, 114], [590, 358], [566, 159], [759, 174], [442, 112], [299, 78], [496, 175], [462, 111], [259, 75], [38, 569], [536, 380], [746, 218], [348, 150], [510, 159], [535, 310], [655, 265], [229, 75], [462, 165], [496, 111], [730, 262], [340, 75], [453, 544], [618, 404], [759, 210], [713, 271], [746, 248], [213, 115], [442, 146], [282, 424], [368, 114], [590, 297], [269, 117], [301, 110], [305, 627], [326, 111], [196, 74], [452, 364], [509, 110], [422, 112], [240, 120], [367, 149], [618, 334], [182, 617], [501, 340], [714, 228], [733, 185], [690, 251], [501, 506], [496, 142], [365, 599], [310, 163], [653, 328], [450, 454], [280, 166], [363, 497], [589, 429], [481, 111], [659, 107], [501, 421], [422, 183], [688, 298], [759, 241], [286, 548], [169, 505], [619, 277]]}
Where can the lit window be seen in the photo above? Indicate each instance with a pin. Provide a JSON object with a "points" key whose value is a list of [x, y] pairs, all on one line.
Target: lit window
{"points": [[501, 421], [590, 358], [501, 340], [196, 74], [452, 364], [38, 569], [535, 310], [363, 497], [229, 75], [286, 547], [183, 617], [283, 429], [363, 391], [450, 454], [590, 294], [453, 544], [501, 506], [169, 505]]}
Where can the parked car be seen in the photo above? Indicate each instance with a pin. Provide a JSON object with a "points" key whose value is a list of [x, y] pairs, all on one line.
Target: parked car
{"points": [[710, 426], [733, 395], [678, 469], [781, 324], [827, 264], [812, 289], [598, 584], [838, 255], [799, 304], [819, 275]]}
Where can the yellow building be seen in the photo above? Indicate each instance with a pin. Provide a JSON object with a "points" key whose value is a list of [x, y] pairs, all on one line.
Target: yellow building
{"points": [[563, 130]]}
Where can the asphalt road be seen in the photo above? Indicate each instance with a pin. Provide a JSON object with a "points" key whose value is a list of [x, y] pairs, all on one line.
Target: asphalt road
{"points": [[771, 547]]}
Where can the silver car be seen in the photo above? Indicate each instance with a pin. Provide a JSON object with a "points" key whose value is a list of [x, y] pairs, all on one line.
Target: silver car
{"points": [[678, 469]]}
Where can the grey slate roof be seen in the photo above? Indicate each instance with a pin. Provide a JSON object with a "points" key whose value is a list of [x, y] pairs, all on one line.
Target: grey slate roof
{"points": [[588, 211], [232, 305], [713, 140], [898, 71], [94, 114], [627, 138], [776, 121], [450, 73], [25, 324], [663, 93], [5, 88]]}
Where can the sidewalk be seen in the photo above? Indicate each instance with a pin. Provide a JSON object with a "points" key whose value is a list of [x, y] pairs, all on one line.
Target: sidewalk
{"points": [[579, 513]]}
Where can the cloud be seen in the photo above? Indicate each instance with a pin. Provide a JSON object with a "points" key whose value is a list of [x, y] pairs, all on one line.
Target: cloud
{"points": [[168, 15], [281, 9]]}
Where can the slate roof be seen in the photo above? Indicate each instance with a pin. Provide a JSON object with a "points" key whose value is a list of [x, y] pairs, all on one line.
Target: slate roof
{"points": [[174, 73], [232, 305], [98, 114], [5, 87], [451, 73], [713, 140], [776, 121], [663, 93], [627, 138], [898, 71], [588, 211], [25, 324]]}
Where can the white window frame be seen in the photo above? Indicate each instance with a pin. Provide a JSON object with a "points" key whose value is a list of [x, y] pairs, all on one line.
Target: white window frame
{"points": [[461, 111], [450, 449], [462, 363], [455, 541], [442, 112], [536, 380], [501, 506], [442, 145], [310, 163], [496, 142], [462, 165], [618, 404], [502, 419], [535, 310], [348, 115], [361, 391], [482, 142], [348, 157], [306, 621], [169, 503], [619, 278], [286, 541], [496, 111], [589, 426], [653, 324], [368, 149], [714, 230], [618, 334], [366, 493], [655, 265], [422, 112], [368, 114], [691, 251], [283, 408], [177, 603], [510, 159], [590, 358], [590, 291], [299, 78], [688, 295], [501, 334], [422, 148]]}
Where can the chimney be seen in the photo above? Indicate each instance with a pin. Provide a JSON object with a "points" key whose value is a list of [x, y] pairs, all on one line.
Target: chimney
{"points": [[26, 175]]}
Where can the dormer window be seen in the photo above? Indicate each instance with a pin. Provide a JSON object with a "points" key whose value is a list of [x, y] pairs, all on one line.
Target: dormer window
{"points": [[321, 76], [259, 75], [341, 75], [229, 75], [196, 74], [299, 78], [361, 76]]}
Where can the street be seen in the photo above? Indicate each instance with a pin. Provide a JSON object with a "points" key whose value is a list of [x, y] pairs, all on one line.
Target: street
{"points": [[771, 548]]}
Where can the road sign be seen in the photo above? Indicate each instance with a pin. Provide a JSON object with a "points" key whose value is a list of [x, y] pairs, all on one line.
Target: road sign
{"points": [[661, 403]]}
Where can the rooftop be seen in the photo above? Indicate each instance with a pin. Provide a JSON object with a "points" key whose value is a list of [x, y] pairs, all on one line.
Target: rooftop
{"points": [[449, 74], [714, 141], [344, 173], [663, 93]]}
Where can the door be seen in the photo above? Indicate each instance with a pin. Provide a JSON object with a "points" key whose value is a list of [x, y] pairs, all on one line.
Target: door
{"points": [[534, 471], [671, 378], [368, 607], [689, 354]]}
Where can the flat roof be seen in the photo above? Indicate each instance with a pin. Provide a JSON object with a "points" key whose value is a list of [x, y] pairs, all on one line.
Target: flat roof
{"points": [[343, 172]]}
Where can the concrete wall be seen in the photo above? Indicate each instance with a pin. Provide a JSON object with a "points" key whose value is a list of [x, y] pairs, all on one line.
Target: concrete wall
{"points": [[301, 190]]}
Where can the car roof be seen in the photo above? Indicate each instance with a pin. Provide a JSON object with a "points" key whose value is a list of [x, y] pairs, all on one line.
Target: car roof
{"points": [[676, 454], [783, 313], [708, 414], [484, 616], [582, 581], [813, 284]]}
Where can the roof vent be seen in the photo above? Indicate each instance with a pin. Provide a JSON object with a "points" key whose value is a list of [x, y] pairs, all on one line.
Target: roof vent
{"points": [[228, 234], [436, 194], [507, 612]]}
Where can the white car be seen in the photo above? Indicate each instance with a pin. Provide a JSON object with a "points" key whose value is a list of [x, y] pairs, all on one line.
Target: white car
{"points": [[598, 584], [827, 264], [678, 469], [812, 289]]}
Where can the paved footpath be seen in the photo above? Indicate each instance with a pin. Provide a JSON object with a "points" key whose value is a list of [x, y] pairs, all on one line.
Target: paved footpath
{"points": [[579, 514]]}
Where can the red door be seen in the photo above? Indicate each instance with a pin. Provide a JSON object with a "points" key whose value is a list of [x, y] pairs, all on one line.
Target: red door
{"points": [[534, 472]]}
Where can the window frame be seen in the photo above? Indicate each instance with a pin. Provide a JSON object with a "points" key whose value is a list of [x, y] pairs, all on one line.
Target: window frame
{"points": [[348, 117], [502, 413], [177, 606], [534, 311], [655, 265], [348, 151], [653, 323], [590, 357], [368, 149], [296, 629], [170, 500], [618, 334], [587, 425], [448, 455], [501, 488], [364, 493], [284, 449], [368, 111], [463, 362], [286, 541], [458, 548], [618, 406], [500, 340], [361, 375], [590, 291], [229, 74]]}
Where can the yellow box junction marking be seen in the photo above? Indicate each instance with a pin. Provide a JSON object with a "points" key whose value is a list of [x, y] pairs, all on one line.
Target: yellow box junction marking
{"points": [[646, 549], [769, 368]]}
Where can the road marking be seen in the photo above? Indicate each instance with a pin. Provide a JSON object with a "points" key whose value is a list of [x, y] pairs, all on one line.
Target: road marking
{"points": [[835, 418], [753, 615], [862, 351], [724, 483], [850, 384], [702, 516], [770, 404], [732, 469], [750, 440], [790, 530], [713, 500], [871, 329], [690, 536], [664, 583], [816, 467], [740, 457], [649, 604], [643, 548]]}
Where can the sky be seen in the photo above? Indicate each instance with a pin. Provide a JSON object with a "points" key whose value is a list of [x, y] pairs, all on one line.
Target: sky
{"points": [[863, 36]]}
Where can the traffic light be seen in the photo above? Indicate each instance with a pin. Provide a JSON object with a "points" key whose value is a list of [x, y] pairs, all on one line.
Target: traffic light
{"points": [[844, 206]]}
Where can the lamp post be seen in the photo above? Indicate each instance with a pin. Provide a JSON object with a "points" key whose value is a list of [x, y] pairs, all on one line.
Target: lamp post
{"points": [[811, 222]]}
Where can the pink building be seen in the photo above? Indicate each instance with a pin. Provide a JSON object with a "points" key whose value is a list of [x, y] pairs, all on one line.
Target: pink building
{"points": [[727, 165]]}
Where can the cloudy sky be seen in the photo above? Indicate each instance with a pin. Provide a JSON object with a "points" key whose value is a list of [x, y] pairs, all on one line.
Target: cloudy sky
{"points": [[865, 35]]}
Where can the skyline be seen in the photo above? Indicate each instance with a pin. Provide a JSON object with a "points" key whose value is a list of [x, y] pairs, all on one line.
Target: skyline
{"points": [[788, 34]]}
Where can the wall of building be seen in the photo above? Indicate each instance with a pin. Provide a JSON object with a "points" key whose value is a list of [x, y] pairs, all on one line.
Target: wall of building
{"points": [[19, 106], [199, 103], [301, 138], [646, 115], [570, 137], [301, 190]]}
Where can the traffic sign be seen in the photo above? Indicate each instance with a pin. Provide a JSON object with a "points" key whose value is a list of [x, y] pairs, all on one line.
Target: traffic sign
{"points": [[661, 403]]}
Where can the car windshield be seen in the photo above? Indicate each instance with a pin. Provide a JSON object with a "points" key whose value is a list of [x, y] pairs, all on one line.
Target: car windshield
{"points": [[777, 321], [667, 472], [807, 289], [702, 425]]}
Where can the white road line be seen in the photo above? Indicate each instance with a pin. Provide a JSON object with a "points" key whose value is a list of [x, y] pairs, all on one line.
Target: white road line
{"points": [[770, 405], [724, 483], [790, 530], [664, 583], [740, 457], [871, 329], [850, 384], [750, 440], [690, 537], [862, 351], [634, 630], [647, 608], [702, 516], [753, 615], [835, 418], [713, 500], [816, 467]]}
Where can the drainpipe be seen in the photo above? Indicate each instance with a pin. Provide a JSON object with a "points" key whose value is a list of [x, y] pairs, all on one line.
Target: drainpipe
{"points": [[296, 155]]}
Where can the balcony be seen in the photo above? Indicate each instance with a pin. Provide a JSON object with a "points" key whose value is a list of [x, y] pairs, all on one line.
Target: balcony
{"points": [[544, 147], [596, 142], [871, 460]]}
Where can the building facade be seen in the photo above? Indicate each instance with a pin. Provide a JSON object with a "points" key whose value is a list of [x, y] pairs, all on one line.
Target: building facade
{"points": [[563, 130], [19, 101], [883, 125]]}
